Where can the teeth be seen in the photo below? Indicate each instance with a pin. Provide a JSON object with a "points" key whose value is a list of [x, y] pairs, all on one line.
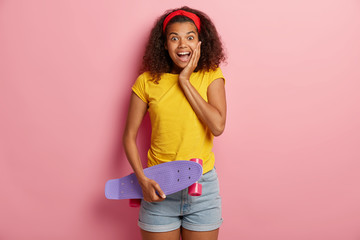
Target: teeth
{"points": [[184, 53]]}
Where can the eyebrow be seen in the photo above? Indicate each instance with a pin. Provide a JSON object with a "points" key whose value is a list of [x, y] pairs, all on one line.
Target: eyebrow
{"points": [[178, 34]]}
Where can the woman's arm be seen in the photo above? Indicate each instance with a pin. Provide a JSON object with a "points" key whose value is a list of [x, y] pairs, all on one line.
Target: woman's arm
{"points": [[213, 112], [137, 111]]}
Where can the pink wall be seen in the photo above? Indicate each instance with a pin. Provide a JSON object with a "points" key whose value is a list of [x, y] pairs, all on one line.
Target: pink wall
{"points": [[288, 161]]}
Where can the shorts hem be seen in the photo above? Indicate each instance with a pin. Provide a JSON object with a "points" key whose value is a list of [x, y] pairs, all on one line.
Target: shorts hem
{"points": [[202, 227], [159, 228]]}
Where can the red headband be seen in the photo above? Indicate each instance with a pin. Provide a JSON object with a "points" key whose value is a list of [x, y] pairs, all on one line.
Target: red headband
{"points": [[190, 15]]}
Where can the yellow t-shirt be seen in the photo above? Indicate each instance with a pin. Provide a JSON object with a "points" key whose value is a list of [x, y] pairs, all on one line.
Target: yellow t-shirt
{"points": [[177, 133]]}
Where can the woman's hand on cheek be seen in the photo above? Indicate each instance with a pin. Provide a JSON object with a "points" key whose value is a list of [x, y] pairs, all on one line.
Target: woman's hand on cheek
{"points": [[190, 67]]}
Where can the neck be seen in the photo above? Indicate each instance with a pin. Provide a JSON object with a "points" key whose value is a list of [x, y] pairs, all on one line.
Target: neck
{"points": [[175, 69]]}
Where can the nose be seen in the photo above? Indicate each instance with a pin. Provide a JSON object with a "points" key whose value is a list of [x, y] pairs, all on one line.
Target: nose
{"points": [[182, 43]]}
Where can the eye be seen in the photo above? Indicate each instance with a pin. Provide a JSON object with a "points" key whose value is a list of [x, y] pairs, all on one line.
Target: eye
{"points": [[191, 37], [174, 38]]}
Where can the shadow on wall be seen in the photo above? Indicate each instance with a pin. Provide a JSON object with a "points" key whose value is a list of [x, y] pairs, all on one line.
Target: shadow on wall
{"points": [[115, 216], [118, 217]]}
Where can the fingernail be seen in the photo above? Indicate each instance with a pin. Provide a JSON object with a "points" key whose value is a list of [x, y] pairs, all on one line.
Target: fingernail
{"points": [[163, 196]]}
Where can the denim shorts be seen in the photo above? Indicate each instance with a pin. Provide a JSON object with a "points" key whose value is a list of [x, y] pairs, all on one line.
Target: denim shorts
{"points": [[201, 213]]}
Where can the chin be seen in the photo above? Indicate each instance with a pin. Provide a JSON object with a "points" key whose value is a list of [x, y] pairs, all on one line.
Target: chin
{"points": [[181, 66], [176, 68]]}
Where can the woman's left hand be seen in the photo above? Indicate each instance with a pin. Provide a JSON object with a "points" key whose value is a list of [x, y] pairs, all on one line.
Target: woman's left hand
{"points": [[212, 112], [190, 67]]}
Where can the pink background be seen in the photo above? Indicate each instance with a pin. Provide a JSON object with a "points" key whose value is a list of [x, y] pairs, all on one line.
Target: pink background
{"points": [[289, 159]]}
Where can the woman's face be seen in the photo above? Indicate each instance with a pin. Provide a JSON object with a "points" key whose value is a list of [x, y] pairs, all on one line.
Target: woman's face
{"points": [[181, 40]]}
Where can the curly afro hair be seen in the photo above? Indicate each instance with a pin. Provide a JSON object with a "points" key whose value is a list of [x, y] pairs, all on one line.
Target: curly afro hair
{"points": [[156, 59]]}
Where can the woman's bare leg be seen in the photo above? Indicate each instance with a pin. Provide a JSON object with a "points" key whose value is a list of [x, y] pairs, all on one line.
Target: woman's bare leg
{"points": [[192, 235], [172, 235]]}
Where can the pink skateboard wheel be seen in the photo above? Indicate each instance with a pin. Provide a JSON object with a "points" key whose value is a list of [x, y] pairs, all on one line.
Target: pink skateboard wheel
{"points": [[196, 188], [134, 202], [197, 160]]}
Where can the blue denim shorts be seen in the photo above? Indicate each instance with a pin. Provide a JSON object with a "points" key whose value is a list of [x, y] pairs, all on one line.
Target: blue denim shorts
{"points": [[201, 213]]}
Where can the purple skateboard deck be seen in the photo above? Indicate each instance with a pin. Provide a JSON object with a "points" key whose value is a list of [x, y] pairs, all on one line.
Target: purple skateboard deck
{"points": [[171, 176]]}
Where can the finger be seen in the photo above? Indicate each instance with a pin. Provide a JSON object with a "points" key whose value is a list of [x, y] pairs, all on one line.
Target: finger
{"points": [[159, 191], [193, 59], [153, 197], [196, 55], [199, 52]]}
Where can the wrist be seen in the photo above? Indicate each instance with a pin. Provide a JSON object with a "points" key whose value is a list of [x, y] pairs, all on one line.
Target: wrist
{"points": [[142, 180], [141, 177], [184, 82]]}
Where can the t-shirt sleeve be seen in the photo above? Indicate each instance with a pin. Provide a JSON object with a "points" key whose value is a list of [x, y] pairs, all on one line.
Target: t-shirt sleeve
{"points": [[139, 88], [217, 73]]}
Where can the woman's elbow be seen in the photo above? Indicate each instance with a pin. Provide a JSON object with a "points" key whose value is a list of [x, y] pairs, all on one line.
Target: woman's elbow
{"points": [[218, 130], [127, 138]]}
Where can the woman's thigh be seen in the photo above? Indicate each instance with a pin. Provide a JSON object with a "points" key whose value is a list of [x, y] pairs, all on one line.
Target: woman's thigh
{"points": [[193, 235], [172, 235]]}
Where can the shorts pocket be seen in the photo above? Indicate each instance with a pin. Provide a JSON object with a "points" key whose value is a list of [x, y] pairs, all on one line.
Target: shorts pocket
{"points": [[209, 176]]}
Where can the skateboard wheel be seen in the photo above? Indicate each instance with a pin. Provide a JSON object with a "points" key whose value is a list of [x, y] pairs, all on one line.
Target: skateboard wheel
{"points": [[134, 202], [197, 160], [195, 189]]}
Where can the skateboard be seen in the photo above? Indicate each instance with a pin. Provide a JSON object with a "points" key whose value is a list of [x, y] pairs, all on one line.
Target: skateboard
{"points": [[171, 176]]}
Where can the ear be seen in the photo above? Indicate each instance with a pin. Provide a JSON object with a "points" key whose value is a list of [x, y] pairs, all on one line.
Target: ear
{"points": [[165, 45]]}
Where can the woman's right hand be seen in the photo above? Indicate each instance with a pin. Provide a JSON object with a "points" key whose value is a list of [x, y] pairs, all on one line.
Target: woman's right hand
{"points": [[151, 190]]}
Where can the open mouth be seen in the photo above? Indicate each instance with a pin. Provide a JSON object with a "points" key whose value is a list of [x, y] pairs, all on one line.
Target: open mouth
{"points": [[184, 56]]}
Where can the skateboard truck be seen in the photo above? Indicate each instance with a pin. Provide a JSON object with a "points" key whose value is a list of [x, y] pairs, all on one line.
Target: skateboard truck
{"points": [[194, 190]]}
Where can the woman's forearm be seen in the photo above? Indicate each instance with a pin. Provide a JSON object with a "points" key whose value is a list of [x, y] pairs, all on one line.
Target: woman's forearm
{"points": [[137, 111], [213, 116], [151, 189], [132, 154]]}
